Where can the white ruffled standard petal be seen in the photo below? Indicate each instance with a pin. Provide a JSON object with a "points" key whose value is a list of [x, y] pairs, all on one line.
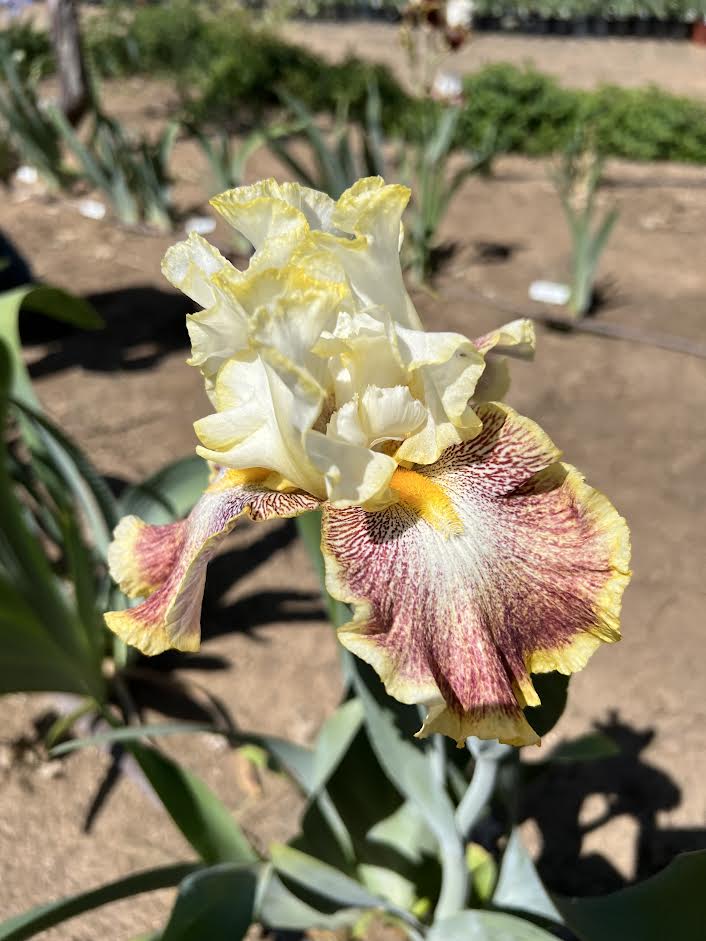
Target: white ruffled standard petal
{"points": [[360, 351], [221, 329], [288, 309], [372, 212], [260, 422], [378, 416], [353, 475]]}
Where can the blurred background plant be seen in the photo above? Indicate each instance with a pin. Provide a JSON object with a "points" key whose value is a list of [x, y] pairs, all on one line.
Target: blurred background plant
{"points": [[227, 158], [435, 175], [332, 159], [52, 638], [27, 121], [131, 172], [577, 180], [9, 158], [335, 157]]}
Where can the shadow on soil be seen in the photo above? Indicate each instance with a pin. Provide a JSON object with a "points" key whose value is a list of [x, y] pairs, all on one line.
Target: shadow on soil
{"points": [[162, 683], [259, 608], [142, 324], [626, 784], [219, 616]]}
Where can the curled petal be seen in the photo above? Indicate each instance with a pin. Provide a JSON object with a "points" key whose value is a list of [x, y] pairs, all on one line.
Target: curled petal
{"points": [[261, 420], [216, 334], [372, 211], [390, 413], [288, 309], [168, 563], [361, 232], [380, 415], [516, 339], [190, 265], [361, 351], [445, 369], [495, 562], [352, 474], [452, 363], [262, 212], [440, 432], [220, 330]]}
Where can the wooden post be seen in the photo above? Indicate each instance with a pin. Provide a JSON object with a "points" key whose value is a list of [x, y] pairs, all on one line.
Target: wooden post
{"points": [[70, 64]]}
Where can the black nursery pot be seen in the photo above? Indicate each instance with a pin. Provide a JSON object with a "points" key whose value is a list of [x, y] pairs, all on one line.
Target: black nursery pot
{"points": [[580, 26], [680, 30], [486, 23], [642, 26], [592, 25]]}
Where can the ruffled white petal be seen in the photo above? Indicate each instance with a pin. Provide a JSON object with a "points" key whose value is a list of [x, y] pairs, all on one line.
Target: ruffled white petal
{"points": [[353, 475], [260, 422], [360, 352], [372, 212], [190, 265], [390, 414]]}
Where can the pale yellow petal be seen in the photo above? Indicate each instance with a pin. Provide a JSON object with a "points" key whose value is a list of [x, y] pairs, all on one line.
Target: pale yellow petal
{"points": [[190, 266], [260, 213], [219, 331], [390, 413], [516, 339], [288, 309], [260, 423], [360, 352], [372, 212], [345, 424], [450, 363], [353, 475]]}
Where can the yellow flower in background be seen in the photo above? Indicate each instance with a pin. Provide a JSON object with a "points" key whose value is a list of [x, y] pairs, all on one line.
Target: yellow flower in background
{"points": [[471, 556]]}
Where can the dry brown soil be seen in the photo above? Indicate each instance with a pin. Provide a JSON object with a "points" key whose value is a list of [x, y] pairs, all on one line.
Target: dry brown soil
{"points": [[630, 415]]}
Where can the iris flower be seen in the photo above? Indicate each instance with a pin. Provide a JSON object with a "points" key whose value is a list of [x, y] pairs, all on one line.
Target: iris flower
{"points": [[471, 556]]}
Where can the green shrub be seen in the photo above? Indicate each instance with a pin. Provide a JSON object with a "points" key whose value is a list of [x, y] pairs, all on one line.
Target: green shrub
{"points": [[533, 114], [536, 117], [29, 47], [646, 124], [243, 78], [266, 68], [160, 38], [228, 71]]}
